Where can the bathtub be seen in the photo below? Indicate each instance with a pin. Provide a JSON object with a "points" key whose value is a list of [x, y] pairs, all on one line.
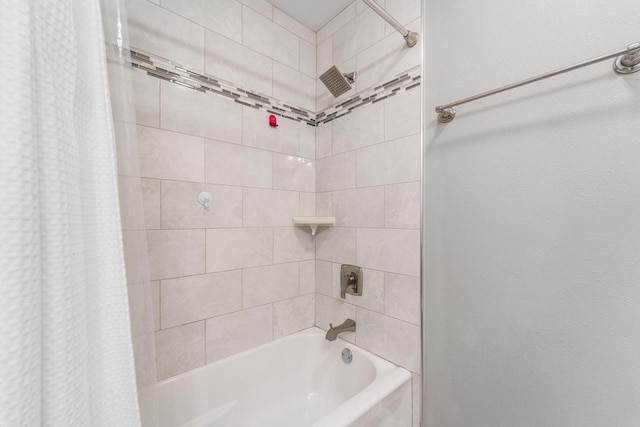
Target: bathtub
{"points": [[297, 381]]}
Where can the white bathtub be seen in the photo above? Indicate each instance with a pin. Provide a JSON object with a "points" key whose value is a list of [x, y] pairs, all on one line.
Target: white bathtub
{"points": [[296, 381]]}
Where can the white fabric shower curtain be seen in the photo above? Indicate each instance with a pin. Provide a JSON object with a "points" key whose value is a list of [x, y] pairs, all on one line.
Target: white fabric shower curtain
{"points": [[65, 342]]}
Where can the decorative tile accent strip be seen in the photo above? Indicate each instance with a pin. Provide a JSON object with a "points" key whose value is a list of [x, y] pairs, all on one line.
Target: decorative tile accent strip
{"points": [[175, 73]]}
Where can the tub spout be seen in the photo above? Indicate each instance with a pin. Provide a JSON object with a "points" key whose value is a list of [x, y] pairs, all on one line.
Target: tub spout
{"points": [[349, 325]]}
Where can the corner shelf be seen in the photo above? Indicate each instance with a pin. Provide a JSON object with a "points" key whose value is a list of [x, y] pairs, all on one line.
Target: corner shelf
{"points": [[314, 222]]}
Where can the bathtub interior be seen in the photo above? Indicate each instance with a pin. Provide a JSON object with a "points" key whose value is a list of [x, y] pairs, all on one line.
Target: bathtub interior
{"points": [[294, 381]]}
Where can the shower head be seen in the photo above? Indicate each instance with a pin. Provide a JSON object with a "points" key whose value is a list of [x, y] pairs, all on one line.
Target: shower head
{"points": [[336, 82]]}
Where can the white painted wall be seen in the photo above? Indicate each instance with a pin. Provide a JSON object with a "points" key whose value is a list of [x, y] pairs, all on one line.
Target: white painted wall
{"points": [[532, 218]]}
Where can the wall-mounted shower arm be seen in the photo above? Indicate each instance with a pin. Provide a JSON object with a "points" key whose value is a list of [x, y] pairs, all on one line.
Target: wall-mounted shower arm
{"points": [[409, 36]]}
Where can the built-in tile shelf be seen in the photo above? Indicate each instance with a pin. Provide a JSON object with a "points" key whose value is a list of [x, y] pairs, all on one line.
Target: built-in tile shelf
{"points": [[313, 222]]}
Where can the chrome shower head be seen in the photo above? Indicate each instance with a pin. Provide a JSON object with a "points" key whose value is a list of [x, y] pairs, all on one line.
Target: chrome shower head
{"points": [[336, 82]]}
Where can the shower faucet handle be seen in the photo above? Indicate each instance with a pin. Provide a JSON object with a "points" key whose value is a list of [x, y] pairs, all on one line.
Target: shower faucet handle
{"points": [[350, 280]]}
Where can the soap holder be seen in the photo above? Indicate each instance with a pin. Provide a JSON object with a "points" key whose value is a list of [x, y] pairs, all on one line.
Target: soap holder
{"points": [[314, 222]]}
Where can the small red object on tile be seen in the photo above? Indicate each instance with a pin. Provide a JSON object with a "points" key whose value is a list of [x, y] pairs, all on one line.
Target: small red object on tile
{"points": [[273, 122]]}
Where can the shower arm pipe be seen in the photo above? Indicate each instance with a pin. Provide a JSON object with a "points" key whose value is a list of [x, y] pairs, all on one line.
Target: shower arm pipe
{"points": [[409, 36], [627, 62]]}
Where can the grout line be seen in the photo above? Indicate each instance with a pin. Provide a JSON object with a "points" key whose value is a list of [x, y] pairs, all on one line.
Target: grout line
{"points": [[161, 197], [384, 205], [159, 103], [159, 304]]}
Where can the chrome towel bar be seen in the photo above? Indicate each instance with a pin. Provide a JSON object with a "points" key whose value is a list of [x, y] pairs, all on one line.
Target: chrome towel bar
{"points": [[627, 62]]}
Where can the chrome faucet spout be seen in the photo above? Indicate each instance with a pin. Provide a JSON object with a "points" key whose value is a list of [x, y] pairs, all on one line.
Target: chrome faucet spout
{"points": [[348, 325]]}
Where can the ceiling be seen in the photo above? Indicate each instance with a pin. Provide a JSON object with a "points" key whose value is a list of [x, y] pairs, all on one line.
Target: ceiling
{"points": [[312, 13]]}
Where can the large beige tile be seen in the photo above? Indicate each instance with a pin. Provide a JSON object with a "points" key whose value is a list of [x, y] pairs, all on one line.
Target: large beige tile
{"points": [[156, 30], [402, 205], [362, 127], [151, 202], [127, 149], [146, 90], [293, 244], [170, 155], [307, 141], [202, 114], [299, 29], [402, 114], [307, 204], [144, 352], [324, 204], [144, 308], [293, 315], [139, 203], [404, 11], [337, 172], [361, 207], [257, 133], [181, 209], [324, 278], [308, 59], [307, 277], [294, 87], [236, 332], [402, 297], [293, 173], [324, 56], [134, 245], [333, 311], [263, 7], [336, 244], [269, 208], [267, 37], [386, 60], [361, 6], [363, 31], [389, 163], [175, 253], [263, 285], [179, 349], [392, 250], [233, 248], [155, 304], [392, 339], [221, 16], [337, 22], [237, 165], [187, 299], [230, 61], [324, 140]]}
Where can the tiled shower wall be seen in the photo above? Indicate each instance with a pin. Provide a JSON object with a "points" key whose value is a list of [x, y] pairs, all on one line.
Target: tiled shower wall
{"points": [[368, 177], [237, 275]]}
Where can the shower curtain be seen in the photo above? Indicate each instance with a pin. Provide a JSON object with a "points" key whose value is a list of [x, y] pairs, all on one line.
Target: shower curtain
{"points": [[66, 356]]}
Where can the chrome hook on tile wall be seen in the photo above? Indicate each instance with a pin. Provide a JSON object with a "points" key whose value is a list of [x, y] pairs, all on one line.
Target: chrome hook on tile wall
{"points": [[204, 198]]}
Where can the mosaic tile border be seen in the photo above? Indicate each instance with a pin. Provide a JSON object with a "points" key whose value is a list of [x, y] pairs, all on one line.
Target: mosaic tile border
{"points": [[168, 70]]}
